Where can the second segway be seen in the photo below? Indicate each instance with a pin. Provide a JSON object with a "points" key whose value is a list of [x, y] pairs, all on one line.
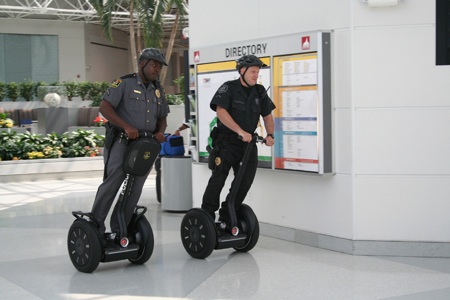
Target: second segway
{"points": [[135, 242], [200, 234]]}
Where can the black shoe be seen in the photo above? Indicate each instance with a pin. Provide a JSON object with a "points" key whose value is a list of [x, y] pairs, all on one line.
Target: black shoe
{"points": [[224, 216], [212, 215], [110, 238], [104, 241]]}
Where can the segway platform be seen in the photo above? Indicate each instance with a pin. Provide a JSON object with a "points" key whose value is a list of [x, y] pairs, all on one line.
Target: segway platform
{"points": [[200, 235], [87, 248]]}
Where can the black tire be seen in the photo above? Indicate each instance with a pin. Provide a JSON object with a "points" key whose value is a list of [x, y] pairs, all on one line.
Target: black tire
{"points": [[143, 236], [248, 223], [198, 233], [84, 246]]}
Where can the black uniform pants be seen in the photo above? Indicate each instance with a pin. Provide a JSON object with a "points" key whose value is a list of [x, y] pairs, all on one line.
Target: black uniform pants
{"points": [[230, 155]]}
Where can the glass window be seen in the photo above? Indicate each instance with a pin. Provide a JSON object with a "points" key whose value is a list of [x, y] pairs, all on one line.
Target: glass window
{"points": [[29, 57]]}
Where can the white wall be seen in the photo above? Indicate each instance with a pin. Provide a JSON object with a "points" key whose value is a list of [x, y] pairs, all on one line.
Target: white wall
{"points": [[402, 117], [105, 60], [390, 119]]}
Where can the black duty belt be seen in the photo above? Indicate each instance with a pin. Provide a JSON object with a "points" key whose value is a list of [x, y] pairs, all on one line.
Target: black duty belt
{"points": [[232, 138]]}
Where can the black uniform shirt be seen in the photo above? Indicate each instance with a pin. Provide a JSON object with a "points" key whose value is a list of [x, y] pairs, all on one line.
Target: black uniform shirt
{"points": [[244, 109], [137, 105]]}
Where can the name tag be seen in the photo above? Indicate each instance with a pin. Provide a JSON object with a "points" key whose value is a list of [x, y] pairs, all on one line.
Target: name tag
{"points": [[137, 92]]}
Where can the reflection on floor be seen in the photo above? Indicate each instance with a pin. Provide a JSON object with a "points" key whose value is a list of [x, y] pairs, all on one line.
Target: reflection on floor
{"points": [[34, 264]]}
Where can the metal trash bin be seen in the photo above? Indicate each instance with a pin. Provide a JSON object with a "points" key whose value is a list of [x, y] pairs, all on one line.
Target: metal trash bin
{"points": [[176, 183]]}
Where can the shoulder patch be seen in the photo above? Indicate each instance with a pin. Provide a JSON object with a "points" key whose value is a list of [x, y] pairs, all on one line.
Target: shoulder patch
{"points": [[223, 89], [116, 83]]}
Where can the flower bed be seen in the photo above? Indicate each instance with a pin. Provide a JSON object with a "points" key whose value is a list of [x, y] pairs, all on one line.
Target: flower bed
{"points": [[24, 146], [5, 122]]}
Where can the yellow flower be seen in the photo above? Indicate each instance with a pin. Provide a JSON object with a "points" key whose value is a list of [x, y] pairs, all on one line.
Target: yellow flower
{"points": [[8, 123]]}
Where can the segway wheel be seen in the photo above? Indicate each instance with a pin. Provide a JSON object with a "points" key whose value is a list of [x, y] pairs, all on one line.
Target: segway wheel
{"points": [[143, 236], [249, 224], [84, 246], [198, 233]]}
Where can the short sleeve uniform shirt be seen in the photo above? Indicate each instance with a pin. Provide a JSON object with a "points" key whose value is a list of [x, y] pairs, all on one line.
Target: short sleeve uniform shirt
{"points": [[245, 109], [137, 105]]}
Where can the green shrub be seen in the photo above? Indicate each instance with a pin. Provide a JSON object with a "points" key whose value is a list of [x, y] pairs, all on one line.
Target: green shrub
{"points": [[26, 89], [72, 89], [83, 143], [2, 90], [180, 82], [12, 91], [36, 88], [83, 89], [97, 98], [9, 146], [174, 99]]}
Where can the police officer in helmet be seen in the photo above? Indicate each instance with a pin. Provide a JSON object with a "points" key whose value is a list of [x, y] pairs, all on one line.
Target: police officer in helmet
{"points": [[238, 105], [133, 103]]}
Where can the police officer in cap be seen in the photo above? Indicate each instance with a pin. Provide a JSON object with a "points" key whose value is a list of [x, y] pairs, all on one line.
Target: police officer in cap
{"points": [[132, 103], [238, 104]]}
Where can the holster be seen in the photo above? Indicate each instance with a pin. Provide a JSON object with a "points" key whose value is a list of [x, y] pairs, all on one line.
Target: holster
{"points": [[214, 150], [214, 135], [111, 133]]}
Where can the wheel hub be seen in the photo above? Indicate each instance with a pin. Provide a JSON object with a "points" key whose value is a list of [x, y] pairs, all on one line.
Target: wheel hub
{"points": [[79, 246], [194, 234]]}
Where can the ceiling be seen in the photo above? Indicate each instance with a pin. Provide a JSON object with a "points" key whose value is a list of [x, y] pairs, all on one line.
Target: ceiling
{"points": [[83, 11]]}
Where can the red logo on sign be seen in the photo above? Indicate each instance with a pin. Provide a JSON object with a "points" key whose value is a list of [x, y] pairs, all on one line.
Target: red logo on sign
{"points": [[305, 42], [196, 56]]}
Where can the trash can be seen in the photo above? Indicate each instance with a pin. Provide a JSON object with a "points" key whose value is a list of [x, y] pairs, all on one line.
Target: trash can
{"points": [[176, 183]]}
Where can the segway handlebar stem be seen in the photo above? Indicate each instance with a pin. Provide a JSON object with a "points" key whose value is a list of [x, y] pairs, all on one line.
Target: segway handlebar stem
{"points": [[231, 204]]}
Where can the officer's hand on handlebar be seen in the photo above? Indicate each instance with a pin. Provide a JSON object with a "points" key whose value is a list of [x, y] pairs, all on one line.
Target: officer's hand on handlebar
{"points": [[245, 136], [269, 141], [132, 133], [159, 137]]}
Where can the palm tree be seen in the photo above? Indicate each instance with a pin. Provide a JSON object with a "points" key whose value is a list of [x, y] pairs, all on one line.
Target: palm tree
{"points": [[149, 15]]}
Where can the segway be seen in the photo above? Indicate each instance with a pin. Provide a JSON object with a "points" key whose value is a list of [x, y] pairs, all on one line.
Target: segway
{"points": [[87, 248], [200, 234]]}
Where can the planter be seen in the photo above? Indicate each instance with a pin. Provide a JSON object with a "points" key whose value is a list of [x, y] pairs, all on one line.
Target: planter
{"points": [[16, 129], [51, 168], [97, 130]]}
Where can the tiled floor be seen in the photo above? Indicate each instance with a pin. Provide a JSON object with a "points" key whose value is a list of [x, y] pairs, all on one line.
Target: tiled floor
{"points": [[34, 264]]}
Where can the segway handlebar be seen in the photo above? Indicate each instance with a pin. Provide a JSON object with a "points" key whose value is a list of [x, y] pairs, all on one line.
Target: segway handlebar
{"points": [[142, 134]]}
